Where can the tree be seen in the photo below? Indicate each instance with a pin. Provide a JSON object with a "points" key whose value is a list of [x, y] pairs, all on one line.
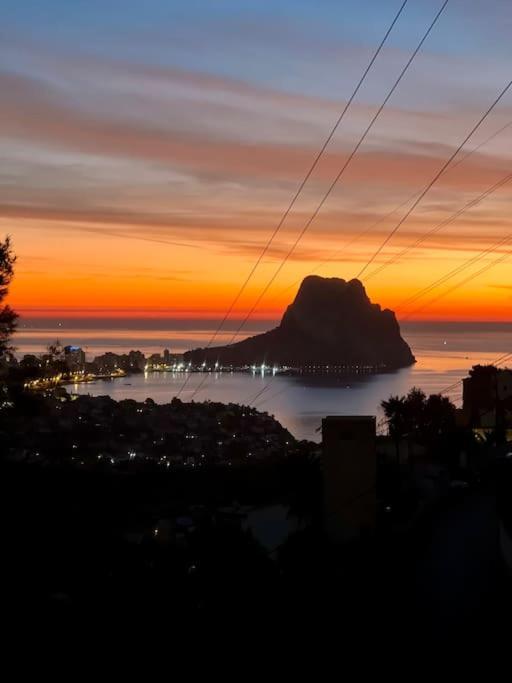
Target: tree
{"points": [[55, 351], [425, 420], [439, 417], [396, 417], [405, 414], [7, 316]]}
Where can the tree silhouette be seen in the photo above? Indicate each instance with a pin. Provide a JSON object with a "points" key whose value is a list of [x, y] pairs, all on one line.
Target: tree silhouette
{"points": [[7, 316], [425, 420]]}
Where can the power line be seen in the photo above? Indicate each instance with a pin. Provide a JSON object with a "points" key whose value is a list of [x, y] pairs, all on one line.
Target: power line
{"points": [[374, 225], [446, 390], [336, 179], [342, 170], [258, 394], [434, 180], [496, 361], [469, 205], [455, 271], [274, 395], [303, 183], [471, 277]]}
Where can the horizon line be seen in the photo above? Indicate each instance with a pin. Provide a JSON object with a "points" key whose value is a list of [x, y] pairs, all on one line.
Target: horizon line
{"points": [[155, 313]]}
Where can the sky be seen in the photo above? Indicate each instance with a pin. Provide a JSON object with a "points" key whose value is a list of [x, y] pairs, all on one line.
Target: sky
{"points": [[148, 151]]}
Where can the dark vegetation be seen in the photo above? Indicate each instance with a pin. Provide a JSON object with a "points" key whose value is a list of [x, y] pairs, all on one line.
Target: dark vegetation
{"points": [[8, 317]]}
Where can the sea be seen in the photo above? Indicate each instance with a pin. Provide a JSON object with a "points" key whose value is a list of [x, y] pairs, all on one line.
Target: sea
{"points": [[445, 351]]}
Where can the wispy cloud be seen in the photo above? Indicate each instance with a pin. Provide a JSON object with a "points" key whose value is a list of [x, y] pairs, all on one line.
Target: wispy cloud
{"points": [[180, 149]]}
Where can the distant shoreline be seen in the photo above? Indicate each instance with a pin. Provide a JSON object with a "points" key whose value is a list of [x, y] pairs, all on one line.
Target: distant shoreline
{"points": [[44, 383]]}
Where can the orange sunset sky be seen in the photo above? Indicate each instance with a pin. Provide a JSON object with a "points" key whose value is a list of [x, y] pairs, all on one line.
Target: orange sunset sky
{"points": [[149, 150]]}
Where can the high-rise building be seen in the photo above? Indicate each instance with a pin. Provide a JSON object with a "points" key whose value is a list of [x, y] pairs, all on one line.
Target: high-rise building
{"points": [[349, 472], [167, 357], [155, 360], [74, 358], [136, 361], [108, 362]]}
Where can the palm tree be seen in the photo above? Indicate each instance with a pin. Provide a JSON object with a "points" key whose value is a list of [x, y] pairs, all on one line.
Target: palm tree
{"points": [[395, 410]]}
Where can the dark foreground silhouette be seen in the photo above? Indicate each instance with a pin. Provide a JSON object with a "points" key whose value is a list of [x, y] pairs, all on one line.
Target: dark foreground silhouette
{"points": [[120, 547]]}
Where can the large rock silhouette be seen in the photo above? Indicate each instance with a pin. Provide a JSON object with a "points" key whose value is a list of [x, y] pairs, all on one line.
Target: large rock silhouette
{"points": [[331, 321]]}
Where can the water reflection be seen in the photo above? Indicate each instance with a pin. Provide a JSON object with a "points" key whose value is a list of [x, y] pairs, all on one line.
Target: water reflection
{"points": [[299, 403], [445, 352]]}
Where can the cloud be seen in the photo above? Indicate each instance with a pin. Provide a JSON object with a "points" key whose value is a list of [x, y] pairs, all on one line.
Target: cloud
{"points": [[196, 160], [229, 150], [243, 232]]}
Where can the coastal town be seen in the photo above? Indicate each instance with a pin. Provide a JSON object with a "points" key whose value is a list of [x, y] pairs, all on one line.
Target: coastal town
{"points": [[487, 392], [68, 365], [98, 433]]}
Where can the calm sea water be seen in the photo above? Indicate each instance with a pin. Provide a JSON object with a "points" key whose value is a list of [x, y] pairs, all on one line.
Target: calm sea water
{"points": [[445, 352]]}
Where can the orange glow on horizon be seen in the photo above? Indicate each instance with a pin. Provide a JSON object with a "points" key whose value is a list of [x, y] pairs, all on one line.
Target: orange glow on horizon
{"points": [[140, 264], [143, 186], [83, 275]]}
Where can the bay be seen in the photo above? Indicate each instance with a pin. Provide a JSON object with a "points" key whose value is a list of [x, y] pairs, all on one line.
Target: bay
{"points": [[444, 351]]}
